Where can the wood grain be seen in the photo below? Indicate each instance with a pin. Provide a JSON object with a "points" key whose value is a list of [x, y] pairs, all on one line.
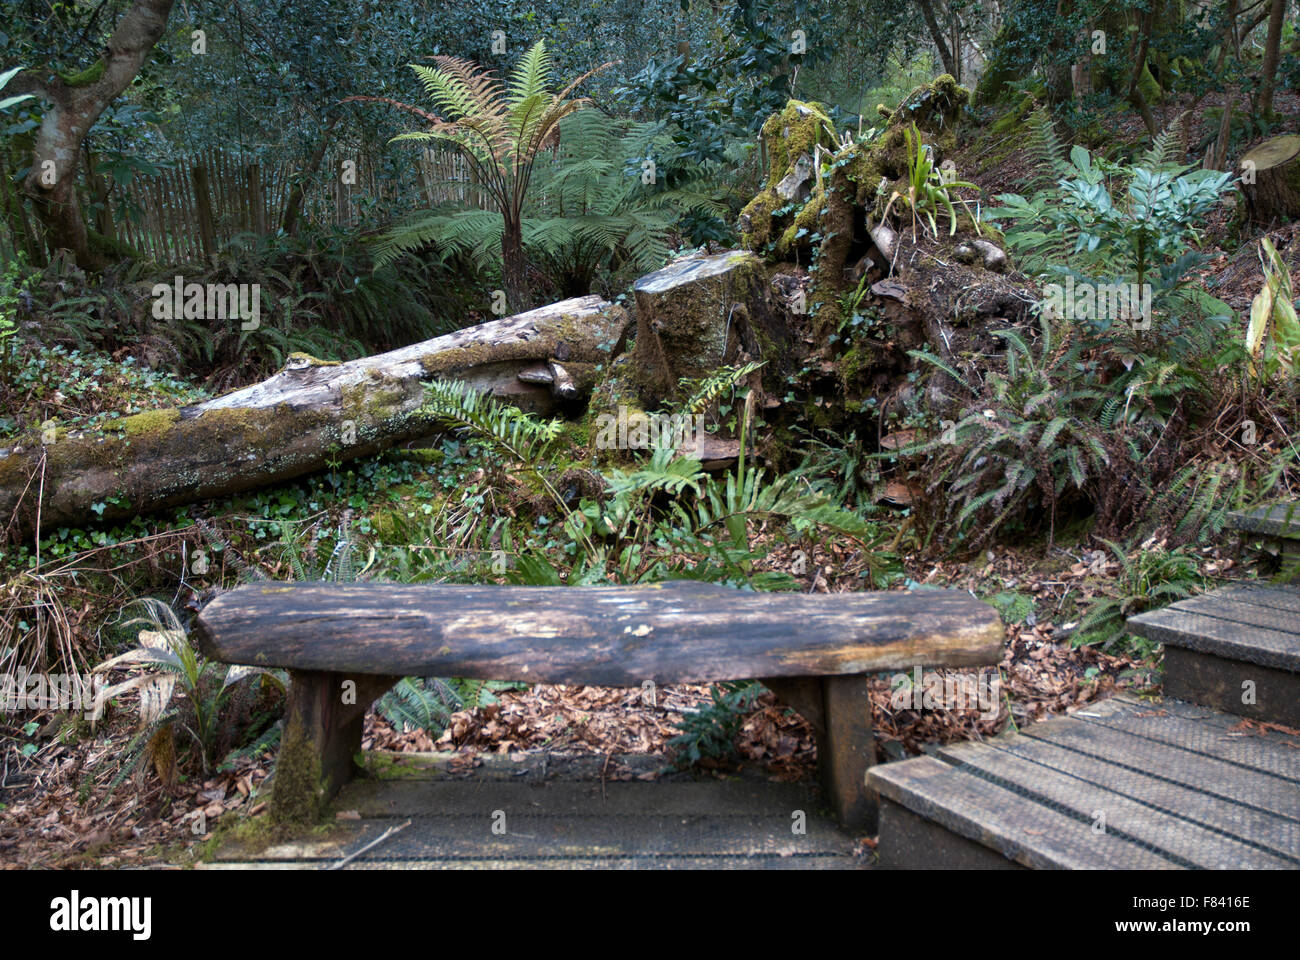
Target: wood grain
{"points": [[675, 632]]}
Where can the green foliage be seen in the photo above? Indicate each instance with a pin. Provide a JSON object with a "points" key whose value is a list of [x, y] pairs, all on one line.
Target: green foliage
{"points": [[928, 193], [514, 432], [707, 391], [842, 470], [1012, 606], [1273, 336], [428, 703], [1155, 577], [664, 519], [12, 289], [7, 102], [715, 101], [587, 214], [501, 131], [320, 291], [217, 710], [710, 732], [1127, 224], [1026, 440], [88, 388]]}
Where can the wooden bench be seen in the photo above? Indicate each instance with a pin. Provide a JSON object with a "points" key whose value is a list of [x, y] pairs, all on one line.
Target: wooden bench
{"points": [[346, 644]]}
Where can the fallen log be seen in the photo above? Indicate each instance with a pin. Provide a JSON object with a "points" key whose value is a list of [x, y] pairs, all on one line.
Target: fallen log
{"points": [[291, 424]]}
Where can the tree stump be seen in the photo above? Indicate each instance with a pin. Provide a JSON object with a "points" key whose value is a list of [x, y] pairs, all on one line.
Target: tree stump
{"points": [[1270, 180]]}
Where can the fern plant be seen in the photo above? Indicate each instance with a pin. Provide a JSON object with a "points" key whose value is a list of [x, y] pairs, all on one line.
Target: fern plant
{"points": [[588, 211], [213, 711], [629, 535], [711, 731], [1024, 437], [427, 703], [500, 130], [1155, 577]]}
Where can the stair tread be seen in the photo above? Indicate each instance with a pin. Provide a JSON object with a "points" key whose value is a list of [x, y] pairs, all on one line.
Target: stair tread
{"points": [[1203, 730], [1274, 595], [1225, 628], [1021, 830], [1245, 614], [1207, 774], [1178, 785], [1168, 817], [1274, 519]]}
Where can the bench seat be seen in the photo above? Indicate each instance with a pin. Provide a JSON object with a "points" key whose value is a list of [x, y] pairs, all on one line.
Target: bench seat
{"points": [[345, 644]]}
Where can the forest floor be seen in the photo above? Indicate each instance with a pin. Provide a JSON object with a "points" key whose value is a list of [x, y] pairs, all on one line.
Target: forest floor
{"points": [[61, 810]]}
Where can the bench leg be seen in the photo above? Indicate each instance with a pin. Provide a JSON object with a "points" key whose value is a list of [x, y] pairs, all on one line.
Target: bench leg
{"points": [[322, 734], [839, 710], [849, 751]]}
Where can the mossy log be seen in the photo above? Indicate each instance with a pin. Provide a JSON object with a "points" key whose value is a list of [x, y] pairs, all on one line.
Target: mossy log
{"points": [[1270, 180], [291, 424]]}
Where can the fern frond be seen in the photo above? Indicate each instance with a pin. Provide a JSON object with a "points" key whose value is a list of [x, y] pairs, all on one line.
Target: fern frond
{"points": [[505, 426]]}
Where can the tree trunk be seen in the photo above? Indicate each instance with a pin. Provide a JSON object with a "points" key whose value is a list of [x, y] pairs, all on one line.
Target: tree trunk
{"points": [[946, 55], [306, 414], [514, 266], [293, 206], [1268, 70], [1135, 96], [1270, 181], [74, 106]]}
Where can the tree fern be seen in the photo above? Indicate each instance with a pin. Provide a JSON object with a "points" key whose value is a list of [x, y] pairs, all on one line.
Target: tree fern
{"points": [[500, 130], [586, 210]]}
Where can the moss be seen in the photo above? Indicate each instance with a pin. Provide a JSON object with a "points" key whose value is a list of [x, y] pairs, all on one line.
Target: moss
{"points": [[571, 329], [389, 766], [249, 836], [149, 423], [298, 796], [389, 527], [805, 219], [861, 167], [84, 78], [856, 359], [429, 456], [795, 130], [311, 361], [757, 217], [458, 359], [1014, 120], [110, 248]]}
